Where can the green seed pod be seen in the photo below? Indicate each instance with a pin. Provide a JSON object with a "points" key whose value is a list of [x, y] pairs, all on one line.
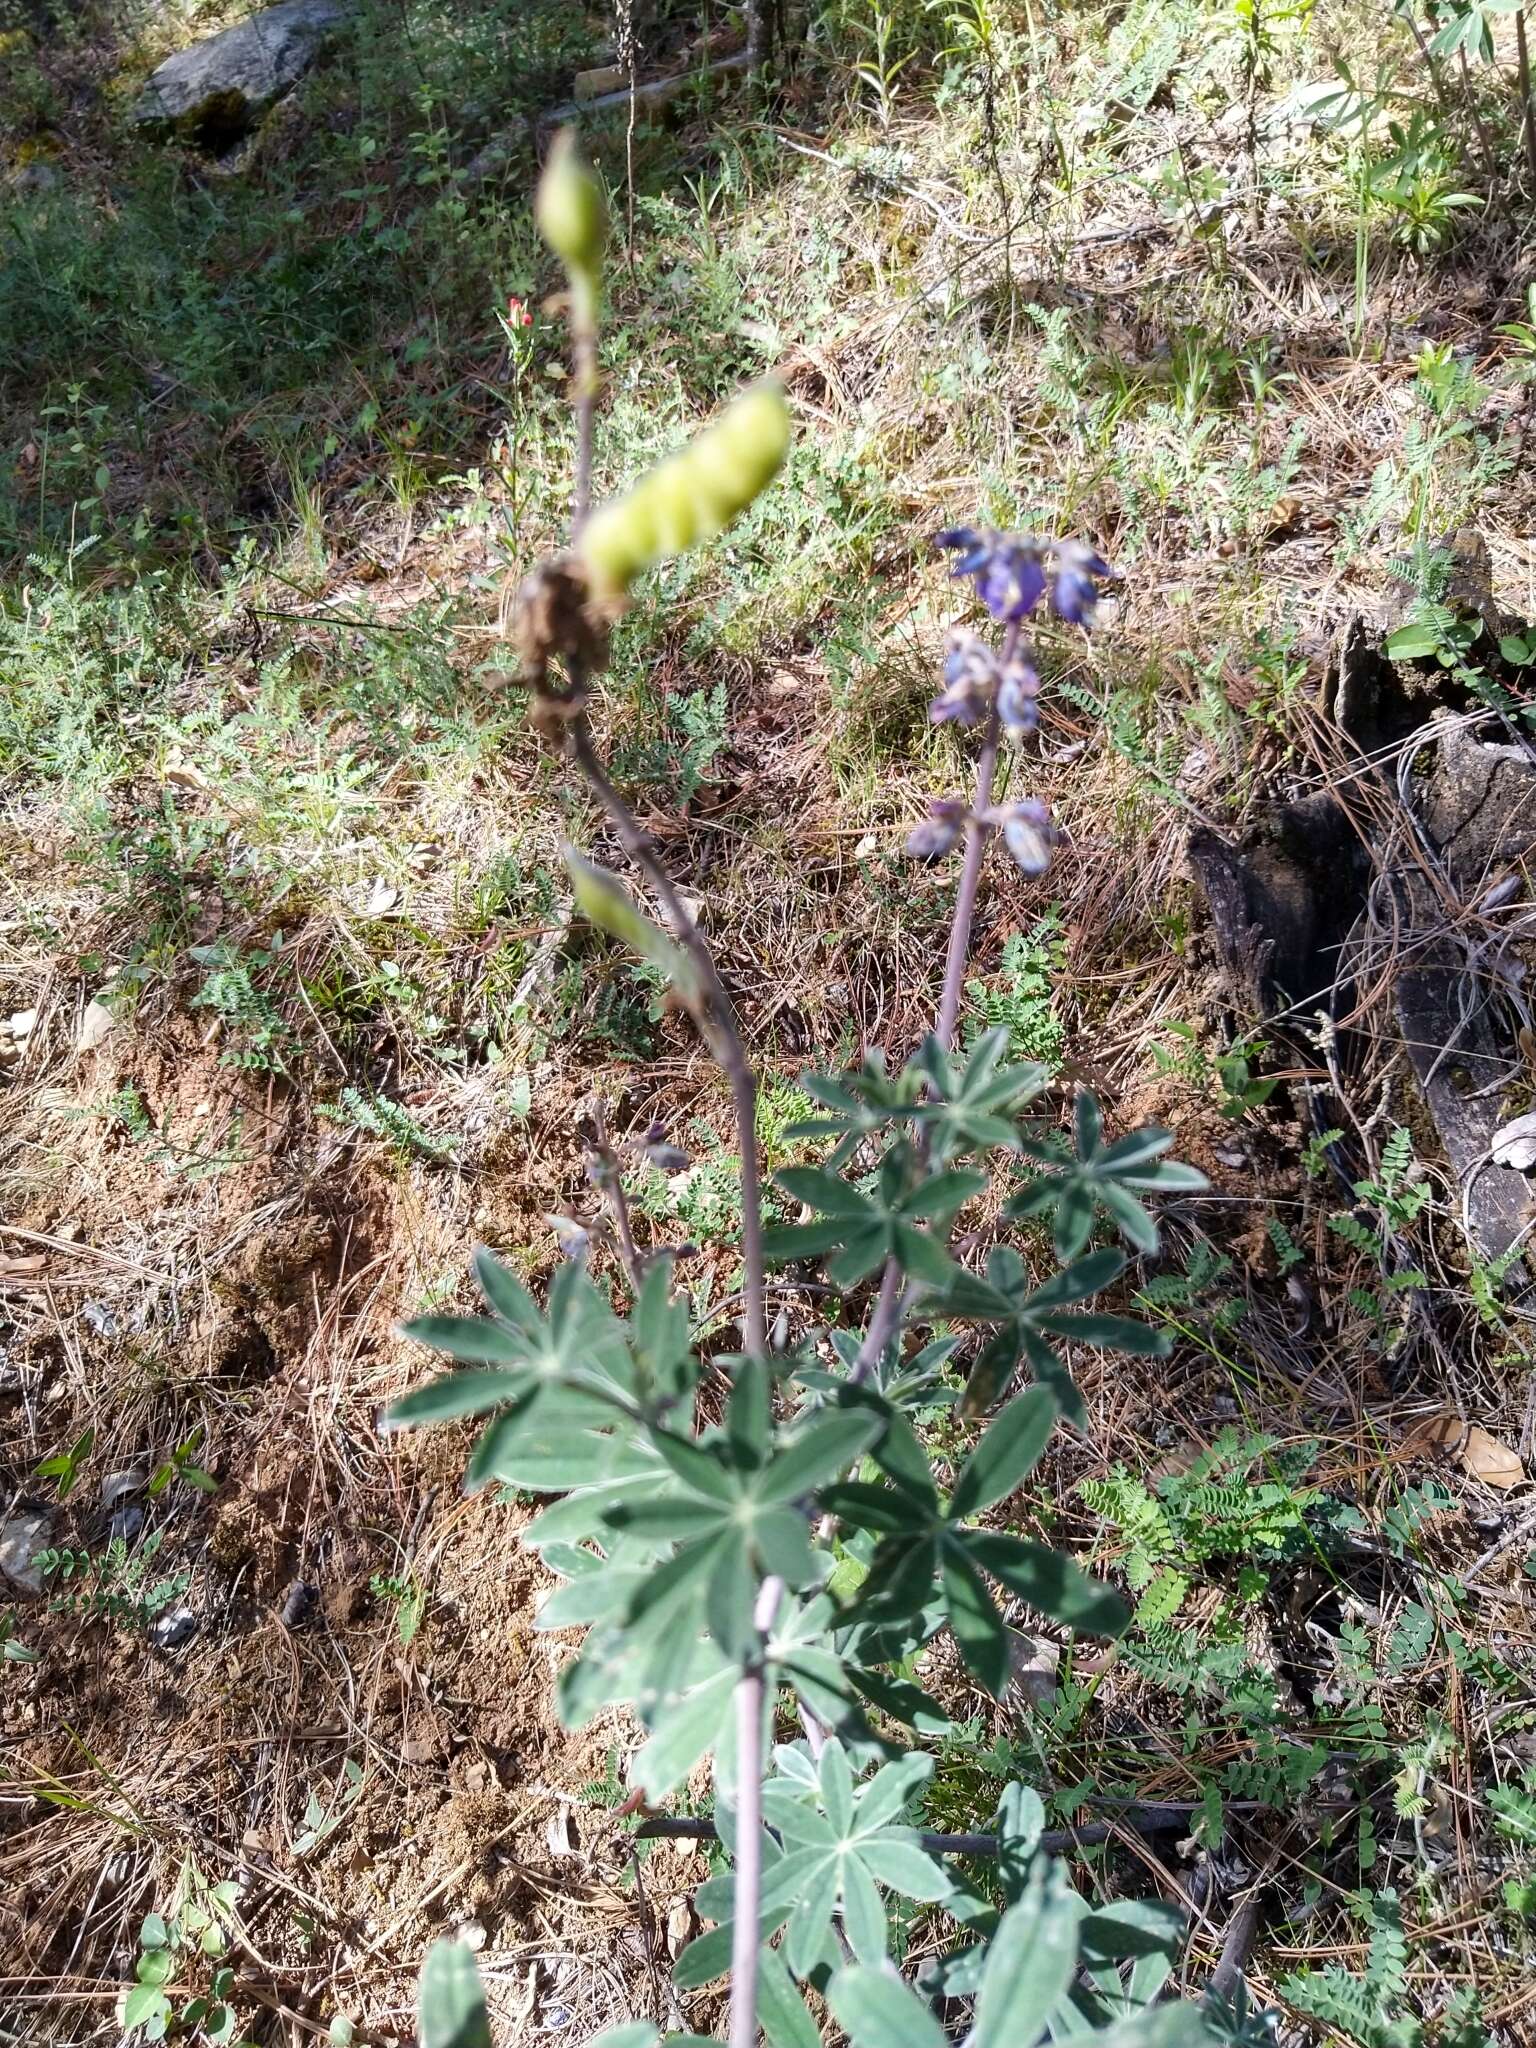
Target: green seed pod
{"points": [[671, 494], [691, 495], [570, 211]]}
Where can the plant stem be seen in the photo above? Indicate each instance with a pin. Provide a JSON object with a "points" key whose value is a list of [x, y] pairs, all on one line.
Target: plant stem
{"points": [[977, 833], [748, 1889], [1527, 95], [720, 1028], [612, 1186], [584, 397], [890, 1301], [1432, 65], [749, 1859], [757, 37], [1490, 161], [1145, 1820]]}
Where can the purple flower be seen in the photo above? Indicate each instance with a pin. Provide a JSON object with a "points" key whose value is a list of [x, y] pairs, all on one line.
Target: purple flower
{"points": [[1008, 568], [1018, 697], [1028, 834], [939, 831], [1074, 591], [970, 681], [658, 1150]]}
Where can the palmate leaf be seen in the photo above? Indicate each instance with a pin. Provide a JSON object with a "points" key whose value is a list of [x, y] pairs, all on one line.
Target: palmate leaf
{"points": [[857, 1105], [925, 1549], [971, 1103], [841, 1845], [1072, 1187], [1029, 1317], [861, 1231], [558, 1376]]}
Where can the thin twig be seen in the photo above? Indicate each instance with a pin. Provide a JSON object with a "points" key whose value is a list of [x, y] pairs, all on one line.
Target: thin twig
{"points": [[724, 1035], [1490, 161]]}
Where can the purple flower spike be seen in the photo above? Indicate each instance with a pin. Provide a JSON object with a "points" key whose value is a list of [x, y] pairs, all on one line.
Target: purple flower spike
{"points": [[1028, 835], [939, 831], [1018, 696], [970, 681], [1074, 591], [1008, 568]]}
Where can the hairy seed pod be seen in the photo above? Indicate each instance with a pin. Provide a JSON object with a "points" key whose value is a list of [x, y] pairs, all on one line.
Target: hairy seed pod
{"points": [[690, 496], [570, 211]]}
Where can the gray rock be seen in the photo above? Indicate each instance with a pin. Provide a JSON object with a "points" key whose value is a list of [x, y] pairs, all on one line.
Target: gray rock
{"points": [[21, 1538], [216, 92]]}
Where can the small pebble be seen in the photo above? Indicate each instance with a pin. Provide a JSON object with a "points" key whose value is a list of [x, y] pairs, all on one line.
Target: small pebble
{"points": [[173, 1630], [298, 1604]]}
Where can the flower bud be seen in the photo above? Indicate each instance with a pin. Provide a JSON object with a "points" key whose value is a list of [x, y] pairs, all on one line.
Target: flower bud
{"points": [[570, 211], [691, 495], [1028, 834], [940, 831]]}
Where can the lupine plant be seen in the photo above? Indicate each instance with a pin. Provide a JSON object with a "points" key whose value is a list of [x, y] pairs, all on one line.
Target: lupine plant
{"points": [[758, 1547]]}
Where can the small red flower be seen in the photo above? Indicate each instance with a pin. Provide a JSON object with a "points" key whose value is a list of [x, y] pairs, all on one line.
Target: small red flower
{"points": [[518, 314]]}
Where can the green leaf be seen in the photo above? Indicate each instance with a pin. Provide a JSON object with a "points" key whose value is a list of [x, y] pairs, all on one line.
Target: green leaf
{"points": [[144, 2003], [979, 1628], [876, 2010], [815, 1901], [701, 1471], [730, 1594], [505, 1294], [1007, 1452], [896, 1858], [451, 2004], [837, 1787], [816, 1455], [154, 1933], [156, 1966], [476, 1340], [1030, 1963], [459, 1393], [828, 1192], [784, 1242], [1413, 643], [1051, 1583], [942, 1195], [1074, 1218], [922, 1256], [862, 1251], [785, 2021], [632, 2034], [546, 1461], [782, 1542], [689, 1727], [873, 1508], [864, 1920]]}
